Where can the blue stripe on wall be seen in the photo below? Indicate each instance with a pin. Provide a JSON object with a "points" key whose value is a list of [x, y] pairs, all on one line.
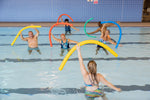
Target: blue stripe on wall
{"points": [[79, 10]]}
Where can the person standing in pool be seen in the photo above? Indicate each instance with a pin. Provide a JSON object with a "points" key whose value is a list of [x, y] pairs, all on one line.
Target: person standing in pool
{"points": [[32, 41], [104, 35], [64, 43], [68, 27], [99, 47], [92, 79]]}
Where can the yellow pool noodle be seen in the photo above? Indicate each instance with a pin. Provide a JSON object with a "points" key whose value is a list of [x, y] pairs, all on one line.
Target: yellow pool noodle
{"points": [[21, 31], [83, 43]]}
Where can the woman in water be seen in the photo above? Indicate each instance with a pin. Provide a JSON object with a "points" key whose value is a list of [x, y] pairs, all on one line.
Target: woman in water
{"points": [[64, 43], [92, 79], [105, 35]]}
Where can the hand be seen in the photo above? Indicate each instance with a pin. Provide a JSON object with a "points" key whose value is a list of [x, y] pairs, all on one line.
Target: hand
{"points": [[118, 89], [31, 25]]}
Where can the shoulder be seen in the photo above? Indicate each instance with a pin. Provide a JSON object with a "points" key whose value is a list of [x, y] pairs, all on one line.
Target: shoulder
{"points": [[35, 36], [99, 75]]}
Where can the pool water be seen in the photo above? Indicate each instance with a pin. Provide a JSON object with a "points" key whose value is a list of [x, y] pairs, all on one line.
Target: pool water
{"points": [[36, 77]]}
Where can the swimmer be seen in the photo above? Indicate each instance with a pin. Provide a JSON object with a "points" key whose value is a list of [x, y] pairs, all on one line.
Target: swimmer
{"points": [[102, 28], [67, 27], [64, 43], [104, 36], [92, 79], [103, 40], [109, 39], [98, 47], [32, 41]]}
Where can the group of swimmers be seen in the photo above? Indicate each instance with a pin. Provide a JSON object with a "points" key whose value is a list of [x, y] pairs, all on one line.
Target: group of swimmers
{"points": [[91, 77]]}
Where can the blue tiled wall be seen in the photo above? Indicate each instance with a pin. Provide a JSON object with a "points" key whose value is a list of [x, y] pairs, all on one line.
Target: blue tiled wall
{"points": [[79, 10]]}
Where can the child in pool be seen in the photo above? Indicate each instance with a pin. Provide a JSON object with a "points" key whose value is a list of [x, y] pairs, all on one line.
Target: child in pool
{"points": [[32, 41], [92, 79], [67, 27], [64, 43]]}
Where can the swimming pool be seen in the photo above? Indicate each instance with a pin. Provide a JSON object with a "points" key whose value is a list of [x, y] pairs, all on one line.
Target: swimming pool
{"points": [[24, 76]]}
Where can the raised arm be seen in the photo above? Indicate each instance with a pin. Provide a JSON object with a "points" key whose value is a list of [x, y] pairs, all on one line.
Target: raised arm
{"points": [[82, 67], [110, 24], [71, 41], [56, 39], [37, 32], [94, 31], [61, 19], [114, 43], [22, 38], [104, 81]]}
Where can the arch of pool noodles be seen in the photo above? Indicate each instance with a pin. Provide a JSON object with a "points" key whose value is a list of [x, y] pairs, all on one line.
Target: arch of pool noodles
{"points": [[63, 15], [83, 43]]}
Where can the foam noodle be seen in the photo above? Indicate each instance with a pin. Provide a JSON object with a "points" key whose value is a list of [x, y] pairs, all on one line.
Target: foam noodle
{"points": [[65, 15], [119, 30], [85, 28], [83, 43], [53, 27], [21, 31]]}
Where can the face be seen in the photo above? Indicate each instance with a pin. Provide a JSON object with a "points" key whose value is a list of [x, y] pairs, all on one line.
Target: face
{"points": [[107, 32], [31, 34], [63, 37], [66, 21]]}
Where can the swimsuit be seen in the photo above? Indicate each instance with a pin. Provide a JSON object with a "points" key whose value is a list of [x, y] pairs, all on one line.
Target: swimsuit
{"points": [[101, 40], [92, 94], [37, 48], [64, 45], [67, 29]]}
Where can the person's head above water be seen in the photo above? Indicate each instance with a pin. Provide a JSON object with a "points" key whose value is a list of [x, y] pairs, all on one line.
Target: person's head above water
{"points": [[107, 32], [30, 33], [99, 24], [63, 37], [92, 67], [66, 20]]}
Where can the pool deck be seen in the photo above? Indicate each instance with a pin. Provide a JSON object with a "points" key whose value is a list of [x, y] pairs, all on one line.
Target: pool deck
{"points": [[77, 24]]}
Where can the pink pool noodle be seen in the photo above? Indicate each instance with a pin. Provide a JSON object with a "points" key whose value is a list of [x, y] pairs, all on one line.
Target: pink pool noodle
{"points": [[95, 1]]}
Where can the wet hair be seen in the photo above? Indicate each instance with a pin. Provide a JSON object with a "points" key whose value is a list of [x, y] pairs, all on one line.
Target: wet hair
{"points": [[99, 24], [92, 67], [62, 34], [66, 20]]}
